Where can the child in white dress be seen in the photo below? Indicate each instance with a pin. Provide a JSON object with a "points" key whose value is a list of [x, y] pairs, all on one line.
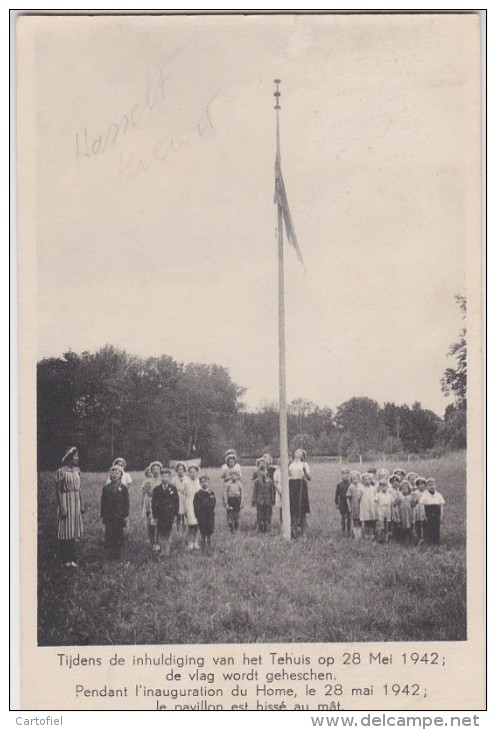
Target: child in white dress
{"points": [[354, 495], [368, 513], [180, 483], [384, 502], [192, 487]]}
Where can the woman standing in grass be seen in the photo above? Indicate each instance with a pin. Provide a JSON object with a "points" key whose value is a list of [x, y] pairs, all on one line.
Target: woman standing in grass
{"points": [[299, 505], [146, 501], [70, 506]]}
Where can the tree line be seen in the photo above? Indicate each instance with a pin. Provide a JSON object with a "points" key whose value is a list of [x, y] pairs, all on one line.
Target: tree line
{"points": [[111, 403]]}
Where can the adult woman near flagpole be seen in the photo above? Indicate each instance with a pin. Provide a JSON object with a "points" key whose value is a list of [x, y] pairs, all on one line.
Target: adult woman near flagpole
{"points": [[299, 506]]}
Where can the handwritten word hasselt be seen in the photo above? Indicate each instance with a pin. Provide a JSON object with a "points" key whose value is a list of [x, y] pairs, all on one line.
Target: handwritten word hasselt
{"points": [[154, 93], [89, 146]]}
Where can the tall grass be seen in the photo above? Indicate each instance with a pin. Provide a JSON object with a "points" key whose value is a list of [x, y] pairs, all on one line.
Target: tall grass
{"points": [[256, 588]]}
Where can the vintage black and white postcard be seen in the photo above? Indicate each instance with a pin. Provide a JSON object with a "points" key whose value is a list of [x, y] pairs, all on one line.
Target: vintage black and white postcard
{"points": [[250, 361]]}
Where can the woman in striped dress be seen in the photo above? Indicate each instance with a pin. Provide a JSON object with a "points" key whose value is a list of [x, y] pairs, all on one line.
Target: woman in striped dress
{"points": [[70, 506]]}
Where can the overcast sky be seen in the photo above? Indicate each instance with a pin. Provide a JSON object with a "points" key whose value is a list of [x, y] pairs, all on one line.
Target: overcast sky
{"points": [[180, 258]]}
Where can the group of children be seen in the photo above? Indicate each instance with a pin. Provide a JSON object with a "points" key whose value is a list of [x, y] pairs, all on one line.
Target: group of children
{"points": [[182, 497], [375, 505], [194, 508], [381, 506]]}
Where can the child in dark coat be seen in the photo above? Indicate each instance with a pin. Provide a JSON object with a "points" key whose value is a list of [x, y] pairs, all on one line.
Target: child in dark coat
{"points": [[114, 511], [263, 498], [165, 507], [342, 502], [204, 505]]}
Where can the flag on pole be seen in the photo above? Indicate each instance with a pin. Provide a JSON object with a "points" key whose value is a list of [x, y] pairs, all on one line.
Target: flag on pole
{"points": [[281, 199]]}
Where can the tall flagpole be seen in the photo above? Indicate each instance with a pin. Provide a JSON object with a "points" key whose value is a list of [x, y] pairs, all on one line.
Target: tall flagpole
{"points": [[283, 421]]}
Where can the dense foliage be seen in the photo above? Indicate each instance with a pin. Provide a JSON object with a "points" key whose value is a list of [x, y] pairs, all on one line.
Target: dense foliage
{"points": [[454, 383], [111, 403]]}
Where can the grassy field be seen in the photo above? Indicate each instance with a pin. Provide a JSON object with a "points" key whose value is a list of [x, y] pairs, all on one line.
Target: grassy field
{"points": [[256, 588]]}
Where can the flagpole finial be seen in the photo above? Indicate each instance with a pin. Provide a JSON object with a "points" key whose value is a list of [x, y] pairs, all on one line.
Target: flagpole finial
{"points": [[277, 93]]}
